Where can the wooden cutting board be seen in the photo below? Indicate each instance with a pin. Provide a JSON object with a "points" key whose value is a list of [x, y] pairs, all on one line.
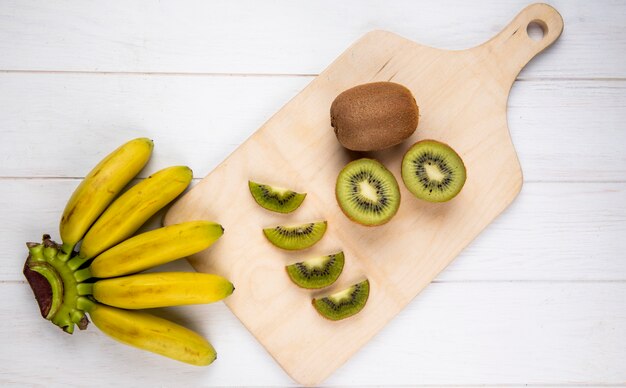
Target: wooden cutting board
{"points": [[462, 97]]}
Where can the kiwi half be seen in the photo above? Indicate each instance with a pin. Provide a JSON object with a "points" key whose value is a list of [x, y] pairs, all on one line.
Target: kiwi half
{"points": [[297, 236], [318, 272], [433, 171], [367, 192], [344, 303], [274, 198]]}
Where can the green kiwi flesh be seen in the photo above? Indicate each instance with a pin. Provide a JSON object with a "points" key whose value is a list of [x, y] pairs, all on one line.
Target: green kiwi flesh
{"points": [[297, 236], [345, 303], [433, 171], [318, 272], [274, 198], [367, 192]]}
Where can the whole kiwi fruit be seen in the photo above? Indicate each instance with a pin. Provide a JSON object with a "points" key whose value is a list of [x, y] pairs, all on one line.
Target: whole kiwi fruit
{"points": [[374, 116]]}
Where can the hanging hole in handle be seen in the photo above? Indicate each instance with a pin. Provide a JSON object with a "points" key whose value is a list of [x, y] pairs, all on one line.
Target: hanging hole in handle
{"points": [[537, 30]]}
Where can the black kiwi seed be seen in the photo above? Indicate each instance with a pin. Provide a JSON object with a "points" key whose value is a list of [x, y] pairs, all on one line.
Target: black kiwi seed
{"points": [[367, 192], [275, 198], [344, 303], [318, 272], [433, 171], [296, 236]]}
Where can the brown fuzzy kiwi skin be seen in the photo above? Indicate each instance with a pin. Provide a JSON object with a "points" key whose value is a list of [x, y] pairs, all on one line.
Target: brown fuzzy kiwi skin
{"points": [[438, 141], [374, 116], [359, 222]]}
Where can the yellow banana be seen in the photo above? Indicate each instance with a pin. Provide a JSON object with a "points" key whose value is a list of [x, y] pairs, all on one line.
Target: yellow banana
{"points": [[127, 213], [154, 334], [155, 247], [161, 289], [100, 187]]}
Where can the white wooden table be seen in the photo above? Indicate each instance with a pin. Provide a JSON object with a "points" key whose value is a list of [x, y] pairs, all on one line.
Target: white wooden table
{"points": [[539, 298]]}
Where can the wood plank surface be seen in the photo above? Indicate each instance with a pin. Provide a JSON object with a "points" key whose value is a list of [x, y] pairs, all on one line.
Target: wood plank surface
{"points": [[502, 333], [282, 37], [546, 278], [552, 232], [91, 114]]}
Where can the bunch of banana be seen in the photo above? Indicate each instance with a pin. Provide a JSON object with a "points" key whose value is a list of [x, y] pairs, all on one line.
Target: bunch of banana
{"points": [[101, 278]]}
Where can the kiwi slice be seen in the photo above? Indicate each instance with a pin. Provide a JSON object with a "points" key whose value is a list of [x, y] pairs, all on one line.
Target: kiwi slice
{"points": [[297, 236], [433, 171], [318, 272], [344, 303], [367, 192], [274, 198]]}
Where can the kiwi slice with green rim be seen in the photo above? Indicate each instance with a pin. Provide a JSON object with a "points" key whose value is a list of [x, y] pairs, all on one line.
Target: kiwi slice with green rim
{"points": [[433, 171], [367, 192], [318, 272], [345, 303], [274, 198], [297, 236]]}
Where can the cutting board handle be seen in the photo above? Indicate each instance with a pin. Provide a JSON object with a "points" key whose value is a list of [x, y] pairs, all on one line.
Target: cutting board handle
{"points": [[514, 48]]}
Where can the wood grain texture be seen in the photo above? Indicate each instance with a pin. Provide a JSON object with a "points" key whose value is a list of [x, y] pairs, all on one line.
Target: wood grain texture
{"points": [[500, 334], [91, 114], [552, 232], [462, 97], [535, 300], [284, 36]]}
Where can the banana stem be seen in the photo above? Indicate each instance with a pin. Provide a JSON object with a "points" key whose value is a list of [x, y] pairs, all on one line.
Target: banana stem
{"points": [[85, 304], [82, 274], [56, 286], [85, 288], [76, 262], [67, 249]]}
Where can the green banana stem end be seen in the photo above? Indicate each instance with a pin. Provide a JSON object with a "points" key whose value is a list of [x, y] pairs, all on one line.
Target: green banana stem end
{"points": [[56, 286]]}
